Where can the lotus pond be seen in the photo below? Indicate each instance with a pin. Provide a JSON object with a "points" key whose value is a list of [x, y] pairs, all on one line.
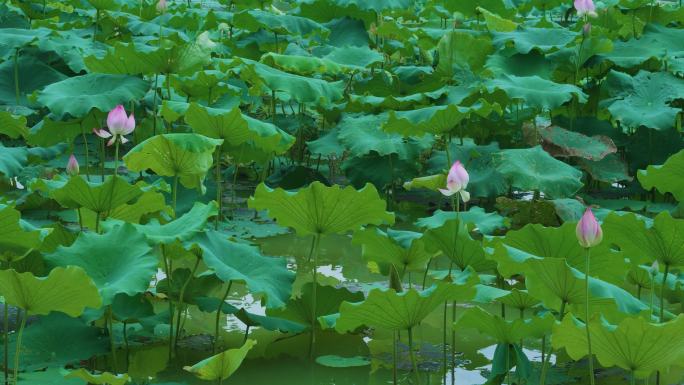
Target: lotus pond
{"points": [[341, 192]]}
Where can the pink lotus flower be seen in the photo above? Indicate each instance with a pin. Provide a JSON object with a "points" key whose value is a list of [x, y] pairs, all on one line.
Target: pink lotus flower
{"points": [[585, 7], [457, 182], [72, 166], [588, 230], [119, 125], [162, 6]]}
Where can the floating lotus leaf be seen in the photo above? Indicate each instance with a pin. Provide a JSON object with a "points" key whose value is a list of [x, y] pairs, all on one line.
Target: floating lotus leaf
{"points": [[222, 365], [319, 209]]}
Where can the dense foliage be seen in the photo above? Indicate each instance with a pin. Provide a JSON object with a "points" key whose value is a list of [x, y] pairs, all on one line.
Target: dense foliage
{"points": [[430, 191]]}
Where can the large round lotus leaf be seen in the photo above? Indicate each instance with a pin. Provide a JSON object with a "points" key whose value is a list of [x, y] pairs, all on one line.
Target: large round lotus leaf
{"points": [[566, 143], [485, 223], [435, 119], [534, 169], [366, 5], [643, 100], [99, 197], [236, 128], [657, 42], [57, 340], [13, 38], [13, 126], [641, 242], [66, 289], [667, 177], [319, 209], [188, 156], [77, 95], [462, 50], [533, 63], [15, 241], [222, 365], [118, 261], [33, 75], [453, 240], [623, 345], [525, 40], [403, 249], [389, 310], [536, 92], [502, 330], [71, 47], [256, 19], [328, 300], [233, 261]]}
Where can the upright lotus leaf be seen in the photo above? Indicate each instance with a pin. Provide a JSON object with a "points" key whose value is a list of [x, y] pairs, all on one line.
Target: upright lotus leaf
{"points": [[319, 209], [328, 300], [519, 299], [657, 42], [503, 330], [15, 240], [13, 160], [57, 340], [453, 240], [387, 309], [460, 50], [634, 344], [16, 38], [66, 289], [235, 128], [77, 95], [561, 242], [647, 99], [127, 308], [403, 249], [199, 286], [300, 88], [222, 365], [435, 119], [565, 143], [187, 156], [182, 228], [255, 19], [118, 261], [104, 378], [33, 76], [208, 84], [534, 169], [485, 223], [536, 92], [233, 261], [663, 241], [496, 23], [667, 177], [100, 197], [543, 39], [13, 126]]}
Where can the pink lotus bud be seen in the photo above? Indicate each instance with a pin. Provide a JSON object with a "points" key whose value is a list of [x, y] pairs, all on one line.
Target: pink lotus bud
{"points": [[457, 181], [655, 268], [72, 166], [588, 230], [585, 8], [162, 6], [586, 29]]}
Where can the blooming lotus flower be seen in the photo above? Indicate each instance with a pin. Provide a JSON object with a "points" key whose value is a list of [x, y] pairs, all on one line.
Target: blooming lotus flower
{"points": [[72, 166], [119, 125], [162, 6], [457, 181], [588, 230], [585, 8]]}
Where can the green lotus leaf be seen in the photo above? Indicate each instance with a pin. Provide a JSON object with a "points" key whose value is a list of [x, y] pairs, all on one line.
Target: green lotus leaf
{"points": [[379, 170], [319, 209], [387, 309], [643, 100], [657, 42], [525, 40], [236, 128], [71, 47], [611, 169], [99, 197], [300, 88], [255, 19], [127, 308], [453, 240], [199, 286], [642, 242], [459, 50], [485, 223], [328, 300], [566, 143], [536, 92], [347, 6], [13, 38], [502, 330], [519, 299], [211, 305], [222, 365], [104, 378], [232, 261], [118, 261], [530, 64], [187, 156], [332, 361], [339, 61], [534, 169], [666, 178], [77, 95], [623, 345], [470, 8], [15, 240], [328, 144], [149, 203], [435, 119], [57, 340], [65, 289], [182, 228], [13, 126], [33, 75], [208, 84], [403, 249]]}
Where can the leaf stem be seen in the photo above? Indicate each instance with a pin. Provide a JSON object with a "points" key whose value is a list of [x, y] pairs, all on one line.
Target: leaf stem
{"points": [[18, 348], [314, 271], [181, 300], [112, 345], [174, 194], [662, 293], [590, 357], [219, 187], [414, 364], [218, 316], [16, 75]]}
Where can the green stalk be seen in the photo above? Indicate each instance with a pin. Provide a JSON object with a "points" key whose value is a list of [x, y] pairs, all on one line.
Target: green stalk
{"points": [[590, 357], [97, 21], [85, 144], [174, 193], [314, 271], [102, 160], [545, 364], [662, 293], [652, 294], [412, 355], [444, 341], [110, 324], [18, 349], [632, 379], [181, 299], [6, 335], [219, 198], [116, 157], [394, 358], [125, 339], [218, 316], [154, 103], [16, 74], [167, 271]]}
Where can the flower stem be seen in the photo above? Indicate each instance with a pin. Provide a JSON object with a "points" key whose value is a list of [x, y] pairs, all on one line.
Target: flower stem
{"points": [[116, 157], [112, 346], [219, 198], [218, 316], [590, 357], [546, 361], [18, 348]]}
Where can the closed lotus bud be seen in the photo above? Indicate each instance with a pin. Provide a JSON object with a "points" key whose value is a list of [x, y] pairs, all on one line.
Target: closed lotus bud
{"points": [[586, 29], [588, 230], [457, 181], [72, 166], [655, 268]]}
